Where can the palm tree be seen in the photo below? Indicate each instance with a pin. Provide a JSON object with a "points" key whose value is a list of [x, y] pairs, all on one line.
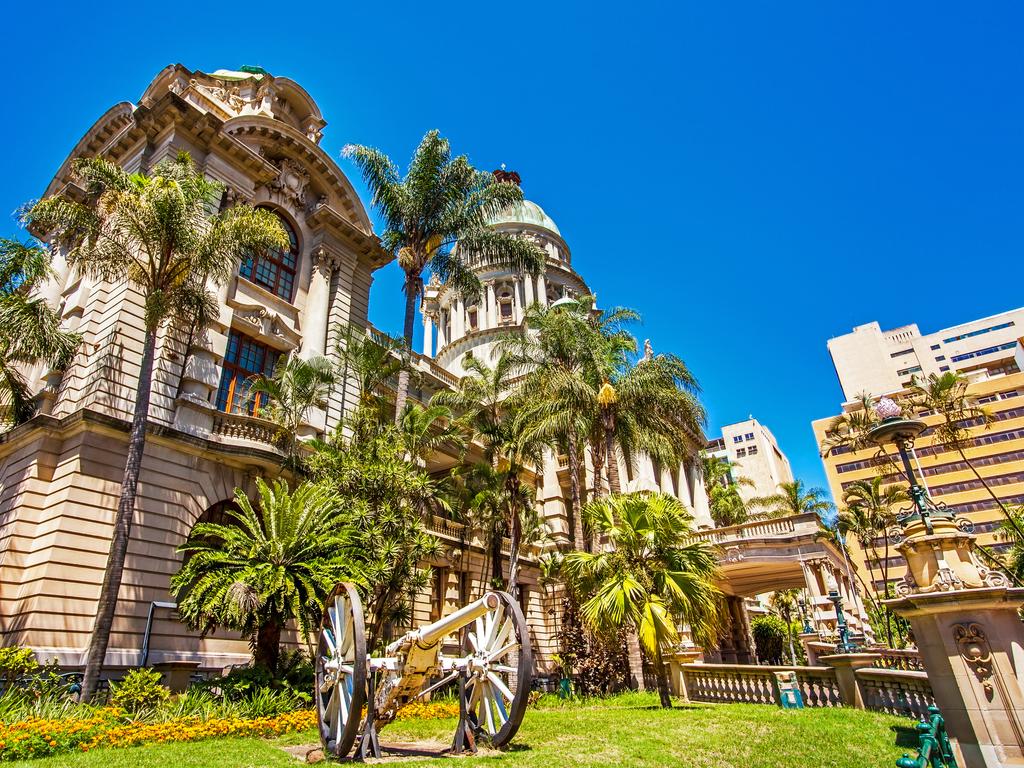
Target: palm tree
{"points": [[650, 407], [946, 395], [479, 398], [286, 397], [558, 355], [29, 328], [270, 564], [1011, 534], [649, 579], [871, 511], [371, 362], [426, 429], [727, 506], [163, 235], [793, 499], [436, 220]]}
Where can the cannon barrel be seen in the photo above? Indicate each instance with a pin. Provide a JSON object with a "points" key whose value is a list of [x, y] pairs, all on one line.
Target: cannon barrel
{"points": [[430, 634]]}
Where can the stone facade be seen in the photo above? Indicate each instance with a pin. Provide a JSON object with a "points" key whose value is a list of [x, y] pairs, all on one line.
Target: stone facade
{"points": [[60, 472]]}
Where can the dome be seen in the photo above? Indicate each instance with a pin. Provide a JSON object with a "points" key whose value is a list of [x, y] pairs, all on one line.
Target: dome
{"points": [[526, 212]]}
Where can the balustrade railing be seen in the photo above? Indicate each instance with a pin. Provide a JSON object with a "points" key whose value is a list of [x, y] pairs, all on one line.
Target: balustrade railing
{"points": [[896, 691], [899, 658], [242, 427], [756, 684]]}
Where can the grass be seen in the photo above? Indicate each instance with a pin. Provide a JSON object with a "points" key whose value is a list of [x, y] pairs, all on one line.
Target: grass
{"points": [[627, 730]]}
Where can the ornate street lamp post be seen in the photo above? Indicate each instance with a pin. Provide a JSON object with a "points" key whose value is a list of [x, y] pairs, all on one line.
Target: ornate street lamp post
{"points": [[963, 615], [802, 603], [844, 645]]}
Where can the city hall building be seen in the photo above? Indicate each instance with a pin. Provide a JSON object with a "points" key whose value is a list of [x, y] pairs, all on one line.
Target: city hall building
{"points": [[61, 472]]}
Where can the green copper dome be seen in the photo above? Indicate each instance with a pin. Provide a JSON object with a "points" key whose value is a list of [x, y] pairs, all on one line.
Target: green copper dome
{"points": [[526, 212]]}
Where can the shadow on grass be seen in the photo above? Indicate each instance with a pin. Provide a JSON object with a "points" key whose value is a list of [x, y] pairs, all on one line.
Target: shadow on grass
{"points": [[906, 736]]}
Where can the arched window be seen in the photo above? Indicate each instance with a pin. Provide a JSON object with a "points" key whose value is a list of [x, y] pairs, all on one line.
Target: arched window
{"points": [[504, 297], [275, 268]]}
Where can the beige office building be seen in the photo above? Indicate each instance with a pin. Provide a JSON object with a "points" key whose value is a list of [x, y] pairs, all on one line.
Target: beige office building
{"points": [[989, 353], [754, 452]]}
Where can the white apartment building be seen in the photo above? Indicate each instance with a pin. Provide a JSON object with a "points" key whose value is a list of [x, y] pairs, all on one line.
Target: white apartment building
{"points": [[880, 362], [752, 448]]}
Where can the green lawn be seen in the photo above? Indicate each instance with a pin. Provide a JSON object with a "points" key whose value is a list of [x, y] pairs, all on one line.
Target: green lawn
{"points": [[626, 731]]}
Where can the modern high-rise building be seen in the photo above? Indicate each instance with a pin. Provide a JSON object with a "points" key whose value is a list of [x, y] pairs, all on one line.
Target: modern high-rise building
{"points": [[880, 362], [988, 352], [754, 452]]}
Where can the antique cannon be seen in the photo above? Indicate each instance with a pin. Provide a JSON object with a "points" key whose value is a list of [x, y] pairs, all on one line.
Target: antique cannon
{"points": [[492, 672]]}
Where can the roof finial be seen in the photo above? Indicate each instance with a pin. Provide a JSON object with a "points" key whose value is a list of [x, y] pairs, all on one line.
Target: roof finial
{"points": [[648, 350], [503, 166]]}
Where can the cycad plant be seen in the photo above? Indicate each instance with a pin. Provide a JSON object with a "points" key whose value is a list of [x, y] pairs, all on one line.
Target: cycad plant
{"points": [[163, 234], [650, 578], [435, 220], [29, 328], [269, 564]]}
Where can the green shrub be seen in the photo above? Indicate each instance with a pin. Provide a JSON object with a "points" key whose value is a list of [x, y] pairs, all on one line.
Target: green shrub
{"points": [[140, 689], [769, 638], [16, 661]]}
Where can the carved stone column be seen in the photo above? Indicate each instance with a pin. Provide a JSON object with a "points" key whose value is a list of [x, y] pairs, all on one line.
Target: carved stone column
{"points": [[428, 336], [492, 307], [318, 300], [971, 640]]}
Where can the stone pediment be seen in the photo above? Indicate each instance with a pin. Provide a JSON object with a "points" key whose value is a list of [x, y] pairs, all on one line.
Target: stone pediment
{"points": [[265, 324]]}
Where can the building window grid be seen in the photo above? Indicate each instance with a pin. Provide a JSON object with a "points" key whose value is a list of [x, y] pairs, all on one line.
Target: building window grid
{"points": [[979, 332], [244, 359], [981, 352], [275, 269], [751, 450]]}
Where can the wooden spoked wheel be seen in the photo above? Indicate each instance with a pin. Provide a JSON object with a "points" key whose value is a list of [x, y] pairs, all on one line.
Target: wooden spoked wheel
{"points": [[499, 671], [340, 687]]}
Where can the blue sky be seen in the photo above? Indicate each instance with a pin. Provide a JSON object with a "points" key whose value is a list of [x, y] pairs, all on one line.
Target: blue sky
{"points": [[754, 178]]}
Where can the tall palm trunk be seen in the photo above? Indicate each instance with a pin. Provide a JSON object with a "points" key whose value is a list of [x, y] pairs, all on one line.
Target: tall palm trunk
{"points": [[575, 495], [635, 658], [614, 485], [515, 534], [412, 291], [122, 524], [497, 539], [664, 691]]}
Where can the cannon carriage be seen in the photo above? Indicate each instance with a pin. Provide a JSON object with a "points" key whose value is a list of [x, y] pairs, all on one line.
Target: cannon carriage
{"points": [[492, 672]]}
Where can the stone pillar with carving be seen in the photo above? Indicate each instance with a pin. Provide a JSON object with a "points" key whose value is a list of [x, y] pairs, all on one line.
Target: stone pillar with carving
{"points": [[318, 301], [964, 617]]}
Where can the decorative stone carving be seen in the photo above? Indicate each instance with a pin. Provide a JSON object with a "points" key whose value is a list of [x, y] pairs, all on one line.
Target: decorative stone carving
{"points": [[254, 316], [325, 261], [229, 96], [291, 182], [975, 650], [732, 555], [906, 586]]}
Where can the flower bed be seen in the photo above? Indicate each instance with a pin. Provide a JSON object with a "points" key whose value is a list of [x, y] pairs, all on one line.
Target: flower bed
{"points": [[108, 727], [429, 710]]}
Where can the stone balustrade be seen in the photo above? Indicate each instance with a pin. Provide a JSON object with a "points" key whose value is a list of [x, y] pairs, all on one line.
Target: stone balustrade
{"points": [[241, 427], [752, 684], [899, 658], [776, 527], [896, 691]]}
